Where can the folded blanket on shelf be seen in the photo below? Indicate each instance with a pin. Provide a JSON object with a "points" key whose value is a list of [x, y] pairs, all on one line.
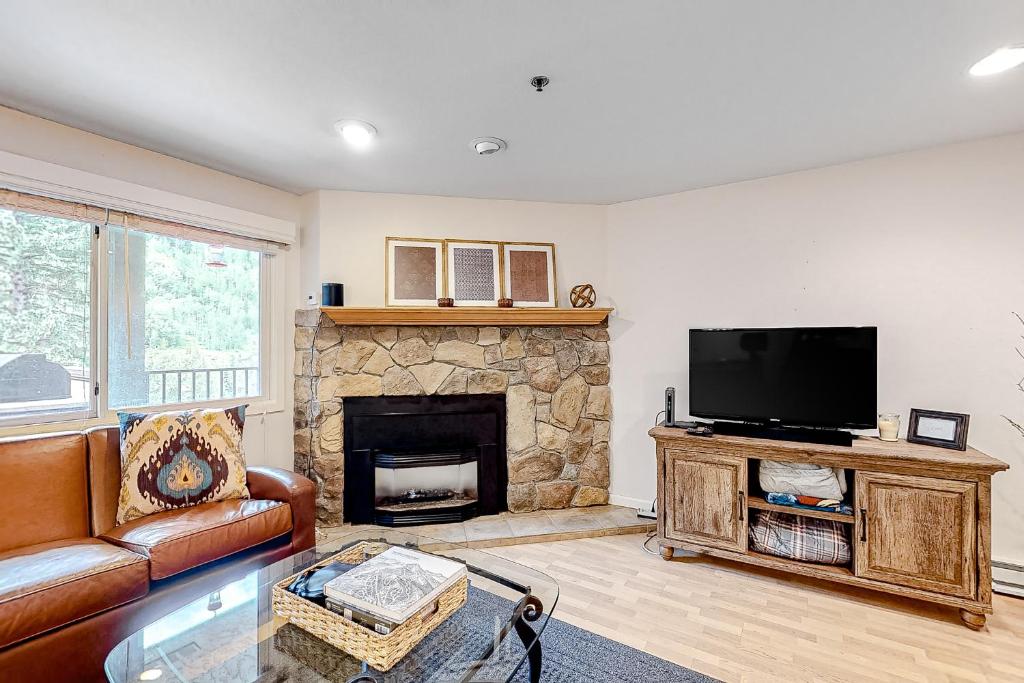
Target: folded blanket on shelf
{"points": [[809, 503], [800, 538], [801, 479]]}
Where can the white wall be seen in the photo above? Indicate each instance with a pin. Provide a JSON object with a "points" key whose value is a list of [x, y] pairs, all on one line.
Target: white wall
{"points": [[48, 141], [309, 243], [353, 225], [928, 246], [268, 437]]}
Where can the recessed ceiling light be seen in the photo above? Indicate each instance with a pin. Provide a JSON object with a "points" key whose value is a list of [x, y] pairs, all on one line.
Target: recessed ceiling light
{"points": [[150, 675], [1003, 59], [356, 133], [485, 146]]}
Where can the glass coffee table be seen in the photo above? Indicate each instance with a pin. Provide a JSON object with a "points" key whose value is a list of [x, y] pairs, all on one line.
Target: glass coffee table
{"points": [[233, 634]]}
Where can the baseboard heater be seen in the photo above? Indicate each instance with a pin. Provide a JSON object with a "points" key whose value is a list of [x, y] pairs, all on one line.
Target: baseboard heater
{"points": [[1008, 578]]}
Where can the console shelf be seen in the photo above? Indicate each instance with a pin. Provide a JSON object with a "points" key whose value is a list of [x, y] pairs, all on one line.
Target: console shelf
{"points": [[758, 504], [922, 522], [820, 571]]}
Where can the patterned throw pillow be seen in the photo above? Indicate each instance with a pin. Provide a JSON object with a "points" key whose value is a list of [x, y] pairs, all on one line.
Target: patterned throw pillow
{"points": [[177, 459]]}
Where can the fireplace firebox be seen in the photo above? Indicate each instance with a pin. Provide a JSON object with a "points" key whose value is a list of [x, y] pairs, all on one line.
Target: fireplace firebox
{"points": [[424, 459]]}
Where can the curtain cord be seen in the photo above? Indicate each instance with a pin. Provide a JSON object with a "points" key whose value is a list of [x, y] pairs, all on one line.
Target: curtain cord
{"points": [[127, 291]]}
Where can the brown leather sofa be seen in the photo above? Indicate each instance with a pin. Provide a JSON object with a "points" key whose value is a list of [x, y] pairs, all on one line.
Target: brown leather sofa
{"points": [[73, 584]]}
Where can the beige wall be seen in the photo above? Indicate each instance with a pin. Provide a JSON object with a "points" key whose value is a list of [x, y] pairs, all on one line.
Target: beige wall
{"points": [[309, 246], [48, 141], [352, 227], [928, 246], [268, 437]]}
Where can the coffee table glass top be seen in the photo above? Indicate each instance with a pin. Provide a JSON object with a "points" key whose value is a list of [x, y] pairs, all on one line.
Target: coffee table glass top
{"points": [[234, 635]]}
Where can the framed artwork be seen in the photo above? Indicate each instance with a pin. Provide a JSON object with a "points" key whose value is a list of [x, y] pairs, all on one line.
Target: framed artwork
{"points": [[529, 274], [935, 428], [413, 271], [474, 272]]}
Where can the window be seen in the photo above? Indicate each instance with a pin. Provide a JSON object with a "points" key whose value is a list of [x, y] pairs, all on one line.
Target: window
{"points": [[183, 320], [46, 318], [183, 310]]}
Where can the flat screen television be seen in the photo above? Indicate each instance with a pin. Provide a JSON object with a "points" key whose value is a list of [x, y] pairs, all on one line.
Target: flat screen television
{"points": [[821, 377]]}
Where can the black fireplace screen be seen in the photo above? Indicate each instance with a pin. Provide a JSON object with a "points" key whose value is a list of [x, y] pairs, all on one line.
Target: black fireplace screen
{"points": [[424, 459]]}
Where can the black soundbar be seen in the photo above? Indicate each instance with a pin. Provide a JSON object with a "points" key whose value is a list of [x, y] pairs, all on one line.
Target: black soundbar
{"points": [[829, 437]]}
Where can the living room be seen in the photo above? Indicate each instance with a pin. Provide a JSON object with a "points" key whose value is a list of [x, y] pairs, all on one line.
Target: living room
{"points": [[675, 341]]}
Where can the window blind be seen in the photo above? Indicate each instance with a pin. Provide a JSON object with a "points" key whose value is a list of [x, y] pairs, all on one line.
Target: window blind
{"points": [[47, 206], [59, 208], [133, 221]]}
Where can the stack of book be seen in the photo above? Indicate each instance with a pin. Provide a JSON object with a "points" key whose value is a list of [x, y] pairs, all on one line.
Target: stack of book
{"points": [[385, 591]]}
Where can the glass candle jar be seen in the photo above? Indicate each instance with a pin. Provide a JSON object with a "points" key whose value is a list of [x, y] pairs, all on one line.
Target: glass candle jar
{"points": [[889, 427]]}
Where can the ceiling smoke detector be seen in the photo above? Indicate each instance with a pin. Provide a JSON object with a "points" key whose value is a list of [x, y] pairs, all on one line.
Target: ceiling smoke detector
{"points": [[485, 146]]}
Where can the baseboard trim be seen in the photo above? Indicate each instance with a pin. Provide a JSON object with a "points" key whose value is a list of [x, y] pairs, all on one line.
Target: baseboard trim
{"points": [[1008, 578], [627, 502]]}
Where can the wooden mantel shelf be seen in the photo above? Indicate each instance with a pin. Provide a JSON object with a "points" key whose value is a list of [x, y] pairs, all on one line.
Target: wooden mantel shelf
{"points": [[467, 315]]}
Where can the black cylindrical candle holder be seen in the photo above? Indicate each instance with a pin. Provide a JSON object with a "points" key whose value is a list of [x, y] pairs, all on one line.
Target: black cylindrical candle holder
{"points": [[332, 294]]}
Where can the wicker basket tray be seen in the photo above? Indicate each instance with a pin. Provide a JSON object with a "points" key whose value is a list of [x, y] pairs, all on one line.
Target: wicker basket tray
{"points": [[379, 651]]}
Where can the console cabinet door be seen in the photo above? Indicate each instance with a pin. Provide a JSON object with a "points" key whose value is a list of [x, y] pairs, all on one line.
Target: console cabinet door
{"points": [[705, 500], [918, 532]]}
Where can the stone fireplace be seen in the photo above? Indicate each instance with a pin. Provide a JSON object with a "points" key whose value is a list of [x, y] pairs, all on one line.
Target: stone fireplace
{"points": [[554, 379]]}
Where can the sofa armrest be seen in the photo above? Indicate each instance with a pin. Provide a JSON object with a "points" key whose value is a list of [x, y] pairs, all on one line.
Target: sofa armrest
{"points": [[274, 483]]}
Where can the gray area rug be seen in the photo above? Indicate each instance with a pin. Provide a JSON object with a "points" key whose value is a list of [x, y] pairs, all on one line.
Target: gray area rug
{"points": [[570, 654]]}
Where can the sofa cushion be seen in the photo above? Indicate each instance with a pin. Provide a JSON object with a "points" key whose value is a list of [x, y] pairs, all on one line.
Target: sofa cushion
{"points": [[44, 497], [181, 458], [48, 585], [178, 540]]}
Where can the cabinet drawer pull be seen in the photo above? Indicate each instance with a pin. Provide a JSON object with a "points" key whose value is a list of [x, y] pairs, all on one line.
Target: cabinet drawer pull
{"points": [[863, 525], [742, 504]]}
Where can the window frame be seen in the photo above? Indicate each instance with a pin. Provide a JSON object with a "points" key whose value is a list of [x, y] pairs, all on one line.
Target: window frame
{"points": [[99, 410], [93, 409]]}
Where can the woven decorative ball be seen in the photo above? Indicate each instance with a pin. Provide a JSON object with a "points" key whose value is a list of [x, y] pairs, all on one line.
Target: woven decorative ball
{"points": [[583, 296]]}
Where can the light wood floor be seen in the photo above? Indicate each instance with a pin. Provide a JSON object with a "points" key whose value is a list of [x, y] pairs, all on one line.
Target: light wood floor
{"points": [[740, 623]]}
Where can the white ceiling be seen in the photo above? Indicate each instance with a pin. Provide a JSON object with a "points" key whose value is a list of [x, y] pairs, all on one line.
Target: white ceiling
{"points": [[646, 97]]}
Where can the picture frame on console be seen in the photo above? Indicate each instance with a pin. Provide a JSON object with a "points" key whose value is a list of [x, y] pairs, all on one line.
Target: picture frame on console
{"points": [[414, 271], [529, 272], [473, 272], [937, 428]]}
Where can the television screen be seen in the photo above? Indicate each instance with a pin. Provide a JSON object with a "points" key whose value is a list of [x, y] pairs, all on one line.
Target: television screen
{"points": [[801, 376]]}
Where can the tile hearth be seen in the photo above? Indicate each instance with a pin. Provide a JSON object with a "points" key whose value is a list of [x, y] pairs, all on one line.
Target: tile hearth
{"points": [[514, 528]]}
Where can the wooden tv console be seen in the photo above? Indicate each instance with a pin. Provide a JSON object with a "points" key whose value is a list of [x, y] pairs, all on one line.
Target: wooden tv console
{"points": [[921, 526]]}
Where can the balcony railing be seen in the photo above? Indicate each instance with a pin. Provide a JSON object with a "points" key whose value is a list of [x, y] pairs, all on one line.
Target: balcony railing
{"points": [[206, 384]]}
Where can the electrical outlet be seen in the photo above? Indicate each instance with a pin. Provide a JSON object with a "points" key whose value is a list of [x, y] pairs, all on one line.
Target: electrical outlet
{"points": [[648, 513]]}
